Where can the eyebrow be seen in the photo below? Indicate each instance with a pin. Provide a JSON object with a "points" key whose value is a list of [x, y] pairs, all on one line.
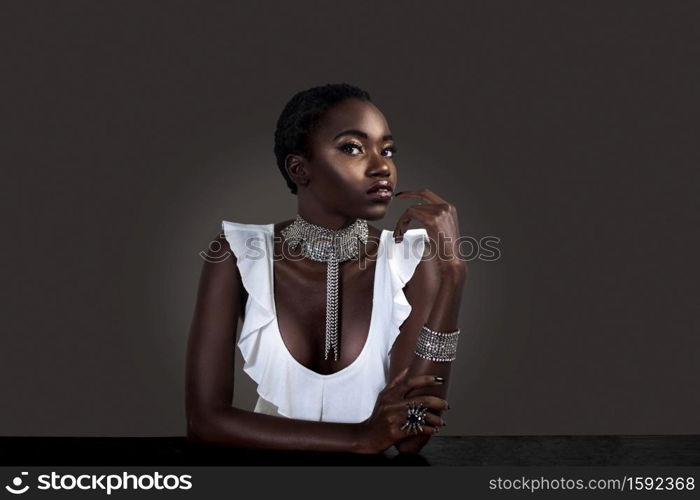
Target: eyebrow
{"points": [[360, 133]]}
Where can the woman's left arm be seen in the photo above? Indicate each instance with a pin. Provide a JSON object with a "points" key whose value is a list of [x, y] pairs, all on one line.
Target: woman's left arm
{"points": [[434, 292]]}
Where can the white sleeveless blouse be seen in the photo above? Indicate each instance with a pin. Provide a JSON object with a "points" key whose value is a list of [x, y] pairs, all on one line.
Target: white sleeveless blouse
{"points": [[286, 387]]}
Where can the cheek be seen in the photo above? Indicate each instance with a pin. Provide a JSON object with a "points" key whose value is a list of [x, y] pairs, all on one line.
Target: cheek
{"points": [[344, 178]]}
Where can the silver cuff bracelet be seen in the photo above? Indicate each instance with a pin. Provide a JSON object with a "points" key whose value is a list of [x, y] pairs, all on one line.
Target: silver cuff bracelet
{"points": [[437, 346]]}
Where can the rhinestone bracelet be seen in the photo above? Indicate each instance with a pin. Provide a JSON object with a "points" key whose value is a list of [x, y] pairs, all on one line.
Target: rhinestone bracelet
{"points": [[437, 346]]}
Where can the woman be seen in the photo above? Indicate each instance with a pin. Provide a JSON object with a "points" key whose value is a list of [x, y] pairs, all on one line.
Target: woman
{"points": [[348, 331]]}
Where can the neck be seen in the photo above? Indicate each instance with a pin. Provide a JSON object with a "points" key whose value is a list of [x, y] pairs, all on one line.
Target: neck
{"points": [[319, 217]]}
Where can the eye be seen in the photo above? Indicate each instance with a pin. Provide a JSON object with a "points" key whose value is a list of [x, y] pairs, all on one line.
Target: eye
{"points": [[392, 150], [349, 146]]}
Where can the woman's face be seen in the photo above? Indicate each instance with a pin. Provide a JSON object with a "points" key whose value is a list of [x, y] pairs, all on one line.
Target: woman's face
{"points": [[351, 151]]}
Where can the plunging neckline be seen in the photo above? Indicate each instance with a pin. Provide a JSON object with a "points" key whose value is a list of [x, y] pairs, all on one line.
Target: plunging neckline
{"points": [[371, 328]]}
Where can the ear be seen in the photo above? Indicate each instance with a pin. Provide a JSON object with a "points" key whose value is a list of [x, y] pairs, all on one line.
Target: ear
{"points": [[297, 169]]}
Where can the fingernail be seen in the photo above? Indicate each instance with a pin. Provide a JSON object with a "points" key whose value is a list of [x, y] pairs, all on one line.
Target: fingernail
{"points": [[439, 379]]}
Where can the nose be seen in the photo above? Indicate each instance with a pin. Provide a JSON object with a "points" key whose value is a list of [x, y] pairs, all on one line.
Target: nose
{"points": [[379, 165]]}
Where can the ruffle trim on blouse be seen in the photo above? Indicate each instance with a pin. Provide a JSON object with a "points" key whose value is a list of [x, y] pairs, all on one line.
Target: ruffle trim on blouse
{"points": [[403, 259], [250, 244]]}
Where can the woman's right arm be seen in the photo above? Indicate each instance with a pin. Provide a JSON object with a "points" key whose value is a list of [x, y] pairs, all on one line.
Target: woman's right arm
{"points": [[209, 375]]}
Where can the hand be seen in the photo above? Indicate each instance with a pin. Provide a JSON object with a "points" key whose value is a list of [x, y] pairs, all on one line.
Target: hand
{"points": [[384, 427], [440, 220]]}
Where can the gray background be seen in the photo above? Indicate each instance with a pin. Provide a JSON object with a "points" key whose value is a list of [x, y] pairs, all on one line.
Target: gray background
{"points": [[566, 129]]}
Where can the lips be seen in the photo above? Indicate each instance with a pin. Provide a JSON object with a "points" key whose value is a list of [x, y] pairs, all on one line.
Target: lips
{"points": [[381, 186], [381, 191]]}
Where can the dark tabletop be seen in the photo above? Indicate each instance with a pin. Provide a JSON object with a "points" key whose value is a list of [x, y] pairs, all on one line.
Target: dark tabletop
{"points": [[441, 450]]}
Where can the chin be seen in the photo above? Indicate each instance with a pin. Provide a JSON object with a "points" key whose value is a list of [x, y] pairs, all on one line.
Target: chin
{"points": [[376, 211]]}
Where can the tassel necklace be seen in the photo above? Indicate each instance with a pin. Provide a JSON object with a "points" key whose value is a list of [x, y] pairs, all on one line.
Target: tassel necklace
{"points": [[332, 246]]}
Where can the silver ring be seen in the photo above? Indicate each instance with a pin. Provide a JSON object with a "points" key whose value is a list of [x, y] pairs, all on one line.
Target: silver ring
{"points": [[415, 418]]}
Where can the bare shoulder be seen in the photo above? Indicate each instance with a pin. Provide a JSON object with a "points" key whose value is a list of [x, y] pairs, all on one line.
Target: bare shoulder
{"points": [[220, 264], [219, 248]]}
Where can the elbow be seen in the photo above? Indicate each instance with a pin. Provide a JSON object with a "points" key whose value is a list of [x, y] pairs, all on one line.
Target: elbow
{"points": [[199, 429], [214, 427], [194, 434]]}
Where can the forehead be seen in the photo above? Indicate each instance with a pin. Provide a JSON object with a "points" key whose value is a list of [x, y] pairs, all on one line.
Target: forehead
{"points": [[353, 114]]}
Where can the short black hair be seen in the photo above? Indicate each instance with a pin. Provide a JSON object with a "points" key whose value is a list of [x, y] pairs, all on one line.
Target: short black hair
{"points": [[302, 114]]}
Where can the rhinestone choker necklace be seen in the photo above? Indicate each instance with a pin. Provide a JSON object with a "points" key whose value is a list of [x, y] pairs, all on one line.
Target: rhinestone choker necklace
{"points": [[326, 245]]}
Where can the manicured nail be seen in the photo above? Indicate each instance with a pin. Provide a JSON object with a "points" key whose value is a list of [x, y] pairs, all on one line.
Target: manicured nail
{"points": [[439, 379]]}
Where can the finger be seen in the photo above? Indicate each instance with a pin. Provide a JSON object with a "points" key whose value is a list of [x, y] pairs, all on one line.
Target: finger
{"points": [[402, 224], [434, 420], [419, 381], [421, 422], [396, 380], [421, 213], [424, 193], [419, 429], [430, 402]]}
